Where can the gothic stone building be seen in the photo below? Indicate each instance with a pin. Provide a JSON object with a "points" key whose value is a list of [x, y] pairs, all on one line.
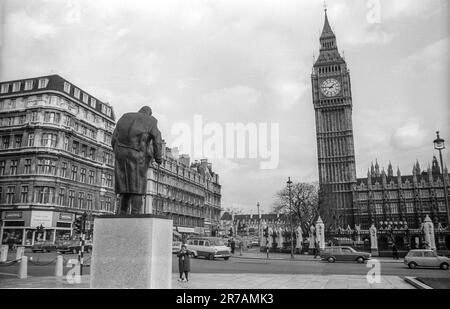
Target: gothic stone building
{"points": [[56, 159], [189, 193], [332, 99], [401, 202]]}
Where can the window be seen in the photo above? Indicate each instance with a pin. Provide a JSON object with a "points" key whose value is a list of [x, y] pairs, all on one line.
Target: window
{"points": [[89, 201], [16, 87], [42, 83], [378, 209], [85, 98], [429, 254], [49, 140], [108, 203], [81, 200], [76, 93], [74, 172], [409, 208], [22, 119], [92, 153], [93, 103], [13, 167], [109, 180], [10, 194], [84, 150], [34, 116], [2, 167], [61, 196], [91, 177], [24, 194], [63, 169], [393, 208], [27, 166], [71, 198], [66, 143], [44, 195], [103, 179], [75, 147], [30, 140], [52, 117], [29, 85], [46, 166], [67, 87], [18, 141], [83, 175], [4, 88], [5, 142]]}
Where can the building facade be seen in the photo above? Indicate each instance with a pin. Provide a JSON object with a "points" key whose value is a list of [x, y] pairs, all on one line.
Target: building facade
{"points": [[56, 159], [400, 203], [332, 99], [189, 193]]}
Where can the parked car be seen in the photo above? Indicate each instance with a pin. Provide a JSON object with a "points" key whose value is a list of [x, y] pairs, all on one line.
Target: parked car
{"points": [[176, 246], [343, 253], [209, 247], [73, 246], [426, 258], [43, 246]]}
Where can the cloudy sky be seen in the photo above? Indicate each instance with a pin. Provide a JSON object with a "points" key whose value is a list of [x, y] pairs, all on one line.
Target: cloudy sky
{"points": [[248, 61]]}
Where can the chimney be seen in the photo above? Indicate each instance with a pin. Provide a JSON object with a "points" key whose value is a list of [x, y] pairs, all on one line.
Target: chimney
{"points": [[175, 153], [163, 148]]}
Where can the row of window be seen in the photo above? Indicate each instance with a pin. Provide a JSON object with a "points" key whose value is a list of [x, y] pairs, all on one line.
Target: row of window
{"points": [[62, 197], [393, 208], [27, 85], [395, 194], [330, 69], [85, 99], [48, 166]]}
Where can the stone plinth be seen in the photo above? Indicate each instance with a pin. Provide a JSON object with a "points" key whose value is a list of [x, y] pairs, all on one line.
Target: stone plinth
{"points": [[132, 251]]}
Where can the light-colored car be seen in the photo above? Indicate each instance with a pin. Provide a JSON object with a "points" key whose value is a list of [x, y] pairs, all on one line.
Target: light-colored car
{"points": [[176, 246], [426, 258], [209, 247], [343, 253]]}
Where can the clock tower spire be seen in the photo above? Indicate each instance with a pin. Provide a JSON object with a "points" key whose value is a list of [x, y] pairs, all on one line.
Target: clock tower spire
{"points": [[332, 99]]}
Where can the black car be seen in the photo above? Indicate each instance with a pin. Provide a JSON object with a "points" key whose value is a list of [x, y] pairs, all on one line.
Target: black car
{"points": [[73, 246]]}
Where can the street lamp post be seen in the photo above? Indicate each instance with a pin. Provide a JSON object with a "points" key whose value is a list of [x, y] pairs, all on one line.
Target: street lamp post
{"points": [[259, 224], [289, 183], [439, 144]]}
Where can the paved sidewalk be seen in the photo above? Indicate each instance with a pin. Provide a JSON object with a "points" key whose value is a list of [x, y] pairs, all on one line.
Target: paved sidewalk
{"points": [[233, 281]]}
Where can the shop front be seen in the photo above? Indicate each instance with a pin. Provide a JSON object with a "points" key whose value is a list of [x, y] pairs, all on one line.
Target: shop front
{"points": [[23, 227]]}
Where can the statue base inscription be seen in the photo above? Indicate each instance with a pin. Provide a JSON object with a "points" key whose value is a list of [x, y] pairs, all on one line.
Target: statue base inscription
{"points": [[132, 251]]}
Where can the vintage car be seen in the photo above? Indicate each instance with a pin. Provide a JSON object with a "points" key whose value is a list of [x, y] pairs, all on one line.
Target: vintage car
{"points": [[43, 246], [426, 258], [176, 246], [73, 246], [343, 253], [209, 247]]}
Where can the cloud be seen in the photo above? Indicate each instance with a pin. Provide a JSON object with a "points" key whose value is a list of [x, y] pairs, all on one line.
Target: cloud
{"points": [[411, 135], [21, 26]]}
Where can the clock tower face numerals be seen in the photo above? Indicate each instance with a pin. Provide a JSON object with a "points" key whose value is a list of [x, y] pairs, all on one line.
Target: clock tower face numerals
{"points": [[330, 87]]}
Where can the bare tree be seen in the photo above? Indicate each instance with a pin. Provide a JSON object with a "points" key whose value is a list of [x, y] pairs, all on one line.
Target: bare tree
{"points": [[304, 204]]}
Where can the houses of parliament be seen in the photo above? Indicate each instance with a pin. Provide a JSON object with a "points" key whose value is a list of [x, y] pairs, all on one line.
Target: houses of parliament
{"points": [[384, 197]]}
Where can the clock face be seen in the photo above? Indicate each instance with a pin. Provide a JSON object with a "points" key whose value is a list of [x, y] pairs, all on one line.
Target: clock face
{"points": [[330, 87]]}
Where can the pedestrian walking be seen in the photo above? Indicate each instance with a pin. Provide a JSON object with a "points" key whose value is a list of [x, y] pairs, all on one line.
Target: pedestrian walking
{"points": [[184, 263], [316, 249], [394, 252], [233, 245]]}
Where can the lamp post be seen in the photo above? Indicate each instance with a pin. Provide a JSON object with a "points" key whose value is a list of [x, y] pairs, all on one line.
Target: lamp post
{"points": [[289, 183], [259, 223], [439, 144]]}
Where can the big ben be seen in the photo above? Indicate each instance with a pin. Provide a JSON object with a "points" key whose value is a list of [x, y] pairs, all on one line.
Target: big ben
{"points": [[332, 98]]}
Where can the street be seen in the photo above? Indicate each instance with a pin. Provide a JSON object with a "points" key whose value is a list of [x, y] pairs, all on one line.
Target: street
{"points": [[238, 264]]}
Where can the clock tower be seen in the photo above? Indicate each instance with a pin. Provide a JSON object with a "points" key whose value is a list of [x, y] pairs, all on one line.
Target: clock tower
{"points": [[332, 98]]}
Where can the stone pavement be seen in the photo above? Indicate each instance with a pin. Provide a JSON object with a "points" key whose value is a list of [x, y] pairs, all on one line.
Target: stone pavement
{"points": [[233, 281]]}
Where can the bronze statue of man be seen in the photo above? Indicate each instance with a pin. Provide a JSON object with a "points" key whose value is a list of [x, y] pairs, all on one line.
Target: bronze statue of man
{"points": [[136, 140]]}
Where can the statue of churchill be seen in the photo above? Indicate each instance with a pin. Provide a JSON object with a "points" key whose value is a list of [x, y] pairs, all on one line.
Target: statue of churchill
{"points": [[136, 141]]}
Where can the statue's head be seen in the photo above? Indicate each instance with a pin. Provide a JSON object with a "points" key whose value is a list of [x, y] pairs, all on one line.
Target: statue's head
{"points": [[146, 110]]}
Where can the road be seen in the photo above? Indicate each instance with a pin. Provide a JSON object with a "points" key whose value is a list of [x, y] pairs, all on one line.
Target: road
{"points": [[240, 265]]}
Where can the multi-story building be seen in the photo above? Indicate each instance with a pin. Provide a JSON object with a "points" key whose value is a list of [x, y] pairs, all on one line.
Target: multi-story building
{"points": [[332, 99], [401, 202], [56, 159], [189, 193]]}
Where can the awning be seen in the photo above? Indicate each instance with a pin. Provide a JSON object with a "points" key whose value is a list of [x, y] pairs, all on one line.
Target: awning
{"points": [[176, 234]]}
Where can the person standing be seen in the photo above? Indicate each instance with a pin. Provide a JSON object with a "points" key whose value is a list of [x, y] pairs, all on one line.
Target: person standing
{"points": [[316, 249], [233, 245], [394, 252], [184, 263]]}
